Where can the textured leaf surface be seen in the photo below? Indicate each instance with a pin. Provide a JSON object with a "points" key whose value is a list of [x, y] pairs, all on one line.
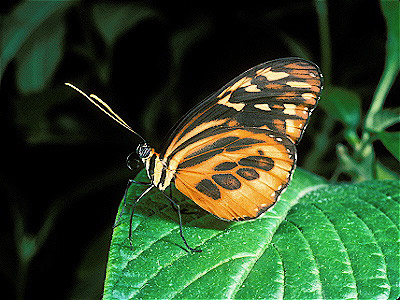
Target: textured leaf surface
{"points": [[319, 241]]}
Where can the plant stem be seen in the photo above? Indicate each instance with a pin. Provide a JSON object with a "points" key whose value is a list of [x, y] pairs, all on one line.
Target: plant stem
{"points": [[388, 77], [325, 39], [390, 10]]}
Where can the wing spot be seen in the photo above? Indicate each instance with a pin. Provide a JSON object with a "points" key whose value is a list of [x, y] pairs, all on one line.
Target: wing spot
{"points": [[298, 84], [292, 127], [227, 181], [260, 162], [252, 88], [248, 174], [208, 188], [271, 75], [308, 96], [226, 166], [264, 106], [290, 109], [236, 106]]}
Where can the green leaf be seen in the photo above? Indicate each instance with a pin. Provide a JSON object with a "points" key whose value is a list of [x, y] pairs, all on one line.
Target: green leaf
{"points": [[182, 40], [40, 55], [353, 240], [385, 118], [296, 48], [113, 20], [391, 140], [342, 104], [319, 241], [384, 173], [23, 22]]}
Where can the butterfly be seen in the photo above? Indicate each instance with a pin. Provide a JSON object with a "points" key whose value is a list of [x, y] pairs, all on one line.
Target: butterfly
{"points": [[235, 152]]}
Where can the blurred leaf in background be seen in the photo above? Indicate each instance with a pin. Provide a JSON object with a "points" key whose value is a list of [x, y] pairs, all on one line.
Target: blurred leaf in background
{"points": [[357, 158], [112, 20], [391, 140], [343, 105], [36, 42], [40, 56]]}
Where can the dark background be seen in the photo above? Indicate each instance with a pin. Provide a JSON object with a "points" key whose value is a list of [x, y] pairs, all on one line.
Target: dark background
{"points": [[63, 168]]}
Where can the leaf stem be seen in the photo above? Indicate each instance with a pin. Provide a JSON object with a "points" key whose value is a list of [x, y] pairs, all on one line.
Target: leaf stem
{"points": [[325, 39], [390, 10], [388, 77]]}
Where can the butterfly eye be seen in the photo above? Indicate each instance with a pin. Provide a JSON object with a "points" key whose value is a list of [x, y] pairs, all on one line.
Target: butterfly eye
{"points": [[143, 150], [133, 163]]}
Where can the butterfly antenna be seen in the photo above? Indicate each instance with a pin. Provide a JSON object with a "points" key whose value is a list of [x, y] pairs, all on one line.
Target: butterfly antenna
{"points": [[104, 107]]}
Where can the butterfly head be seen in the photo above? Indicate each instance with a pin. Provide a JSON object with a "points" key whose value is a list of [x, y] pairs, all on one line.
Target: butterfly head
{"points": [[143, 150]]}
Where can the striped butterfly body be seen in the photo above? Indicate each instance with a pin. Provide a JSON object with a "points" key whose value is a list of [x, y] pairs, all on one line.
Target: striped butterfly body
{"points": [[234, 153]]}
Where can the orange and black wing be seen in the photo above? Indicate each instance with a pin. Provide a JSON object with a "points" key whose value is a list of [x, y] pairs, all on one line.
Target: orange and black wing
{"points": [[234, 153], [237, 174]]}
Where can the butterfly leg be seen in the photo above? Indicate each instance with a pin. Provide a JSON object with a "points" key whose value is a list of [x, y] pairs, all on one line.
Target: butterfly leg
{"points": [[170, 197], [133, 212], [178, 209], [130, 182], [184, 211]]}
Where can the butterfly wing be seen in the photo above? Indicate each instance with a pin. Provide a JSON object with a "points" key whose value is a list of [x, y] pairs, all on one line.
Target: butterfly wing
{"points": [[279, 95], [236, 174], [234, 153]]}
